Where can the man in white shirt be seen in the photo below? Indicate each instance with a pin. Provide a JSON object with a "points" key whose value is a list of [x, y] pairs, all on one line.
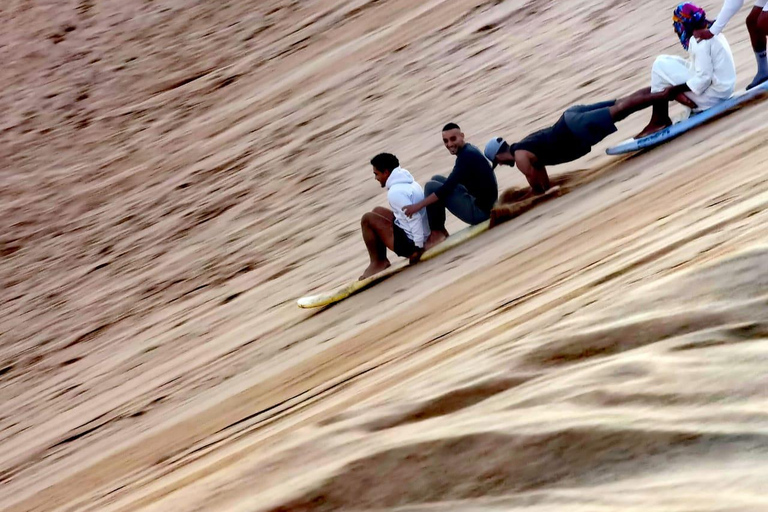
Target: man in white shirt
{"points": [[392, 229], [705, 79], [757, 24]]}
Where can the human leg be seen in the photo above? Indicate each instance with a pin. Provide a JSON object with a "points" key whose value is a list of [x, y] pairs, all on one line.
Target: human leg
{"points": [[590, 127], [435, 213], [462, 205], [403, 245], [588, 108], [378, 236], [757, 25], [636, 101], [667, 71]]}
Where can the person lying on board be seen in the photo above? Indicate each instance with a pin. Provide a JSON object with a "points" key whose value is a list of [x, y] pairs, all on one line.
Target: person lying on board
{"points": [[391, 229], [571, 137], [705, 79], [469, 192], [757, 25]]}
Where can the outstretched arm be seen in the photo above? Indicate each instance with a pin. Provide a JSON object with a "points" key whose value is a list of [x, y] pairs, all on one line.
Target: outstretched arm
{"points": [[534, 172], [445, 190], [730, 7]]}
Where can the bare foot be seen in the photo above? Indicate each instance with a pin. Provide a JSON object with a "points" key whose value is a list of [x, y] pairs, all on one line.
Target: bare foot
{"points": [[436, 237], [415, 257], [375, 268], [654, 127]]}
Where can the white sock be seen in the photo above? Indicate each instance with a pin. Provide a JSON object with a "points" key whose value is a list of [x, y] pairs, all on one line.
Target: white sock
{"points": [[762, 63]]}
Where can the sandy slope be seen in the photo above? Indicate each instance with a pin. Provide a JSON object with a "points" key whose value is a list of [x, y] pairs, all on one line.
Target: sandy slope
{"points": [[174, 176]]}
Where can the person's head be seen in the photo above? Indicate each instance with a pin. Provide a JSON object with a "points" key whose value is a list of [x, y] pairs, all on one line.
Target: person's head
{"points": [[686, 18], [499, 152], [383, 165], [453, 138]]}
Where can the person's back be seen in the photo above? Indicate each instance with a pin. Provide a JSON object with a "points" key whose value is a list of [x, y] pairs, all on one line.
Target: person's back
{"points": [[402, 190]]}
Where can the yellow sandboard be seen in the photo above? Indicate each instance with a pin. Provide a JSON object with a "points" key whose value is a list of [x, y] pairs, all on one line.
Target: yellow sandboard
{"points": [[341, 293]]}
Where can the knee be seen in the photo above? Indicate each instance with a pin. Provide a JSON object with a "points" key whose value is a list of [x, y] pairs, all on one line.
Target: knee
{"points": [[367, 219], [663, 64], [380, 210], [431, 186], [762, 23], [757, 22], [753, 21]]}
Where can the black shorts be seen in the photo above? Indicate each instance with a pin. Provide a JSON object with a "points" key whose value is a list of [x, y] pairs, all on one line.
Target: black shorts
{"points": [[590, 123], [404, 246]]}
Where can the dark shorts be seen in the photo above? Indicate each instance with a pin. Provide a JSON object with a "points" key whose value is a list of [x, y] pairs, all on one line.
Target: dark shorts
{"points": [[404, 246], [590, 123]]}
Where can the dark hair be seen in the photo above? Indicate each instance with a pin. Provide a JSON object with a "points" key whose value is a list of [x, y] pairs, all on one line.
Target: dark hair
{"points": [[451, 126], [385, 162], [504, 146]]}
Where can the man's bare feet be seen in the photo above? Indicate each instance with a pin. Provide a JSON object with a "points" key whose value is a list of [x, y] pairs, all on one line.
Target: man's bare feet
{"points": [[436, 237], [653, 127], [415, 257], [375, 268]]}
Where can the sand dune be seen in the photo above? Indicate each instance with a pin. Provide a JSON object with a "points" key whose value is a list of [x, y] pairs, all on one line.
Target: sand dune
{"points": [[175, 176]]}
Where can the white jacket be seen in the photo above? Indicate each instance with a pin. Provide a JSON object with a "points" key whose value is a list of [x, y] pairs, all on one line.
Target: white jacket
{"points": [[403, 190]]}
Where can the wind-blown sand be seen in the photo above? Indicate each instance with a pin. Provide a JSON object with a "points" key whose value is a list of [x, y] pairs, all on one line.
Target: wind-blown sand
{"points": [[175, 176]]}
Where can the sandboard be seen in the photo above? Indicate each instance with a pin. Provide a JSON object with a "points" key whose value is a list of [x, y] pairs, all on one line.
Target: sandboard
{"points": [[676, 129], [341, 293]]}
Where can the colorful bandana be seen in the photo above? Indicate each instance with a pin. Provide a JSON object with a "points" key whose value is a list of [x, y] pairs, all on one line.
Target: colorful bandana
{"points": [[685, 18]]}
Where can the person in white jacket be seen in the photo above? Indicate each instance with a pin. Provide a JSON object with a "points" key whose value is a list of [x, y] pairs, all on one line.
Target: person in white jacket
{"points": [[757, 25], [705, 79], [391, 228]]}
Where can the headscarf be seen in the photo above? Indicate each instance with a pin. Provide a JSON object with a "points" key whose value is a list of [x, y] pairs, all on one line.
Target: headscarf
{"points": [[686, 18]]}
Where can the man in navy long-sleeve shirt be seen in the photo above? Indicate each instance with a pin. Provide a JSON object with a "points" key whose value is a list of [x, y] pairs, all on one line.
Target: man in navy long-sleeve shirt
{"points": [[469, 192]]}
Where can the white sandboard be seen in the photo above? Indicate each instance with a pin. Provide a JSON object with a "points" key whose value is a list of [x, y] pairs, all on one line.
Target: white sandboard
{"points": [[676, 129], [341, 293]]}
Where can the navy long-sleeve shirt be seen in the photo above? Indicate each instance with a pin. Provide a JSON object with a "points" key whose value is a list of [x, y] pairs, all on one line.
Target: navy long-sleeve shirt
{"points": [[476, 174]]}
